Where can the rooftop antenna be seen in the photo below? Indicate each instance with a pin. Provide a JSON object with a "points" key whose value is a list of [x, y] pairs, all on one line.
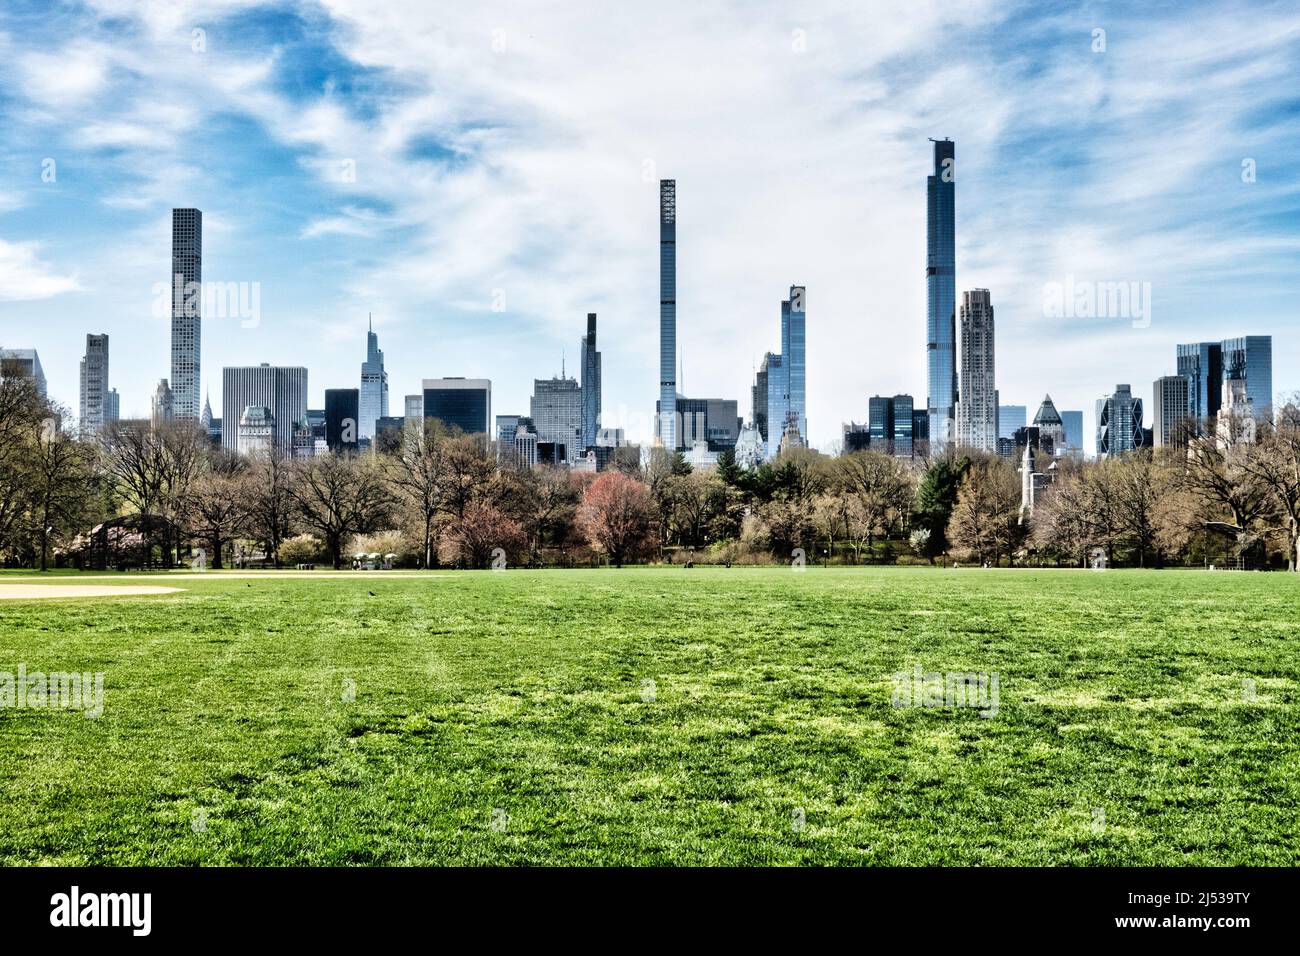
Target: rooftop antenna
{"points": [[370, 321]]}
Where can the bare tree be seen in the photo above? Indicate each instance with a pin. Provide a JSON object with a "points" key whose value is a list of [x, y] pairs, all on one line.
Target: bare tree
{"points": [[59, 475], [986, 518], [418, 474], [267, 489], [341, 496]]}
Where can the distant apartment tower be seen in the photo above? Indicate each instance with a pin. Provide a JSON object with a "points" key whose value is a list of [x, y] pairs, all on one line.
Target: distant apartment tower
{"points": [[1011, 418], [1170, 410], [464, 403], [667, 417], [556, 409], [282, 389], [1119, 423], [941, 294], [15, 362], [342, 411], [590, 385], [112, 406], [977, 404], [94, 385], [414, 408], [187, 322], [374, 387]]}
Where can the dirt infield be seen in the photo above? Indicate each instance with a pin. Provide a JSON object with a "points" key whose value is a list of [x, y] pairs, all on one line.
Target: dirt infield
{"points": [[27, 592]]}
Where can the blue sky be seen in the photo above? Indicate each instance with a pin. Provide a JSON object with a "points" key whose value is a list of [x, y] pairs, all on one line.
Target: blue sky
{"points": [[509, 153]]}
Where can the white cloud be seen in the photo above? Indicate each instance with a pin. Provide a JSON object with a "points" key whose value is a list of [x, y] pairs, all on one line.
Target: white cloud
{"points": [[25, 277]]}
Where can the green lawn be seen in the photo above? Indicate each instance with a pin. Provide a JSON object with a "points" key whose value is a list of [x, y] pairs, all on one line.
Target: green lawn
{"points": [[504, 718]]}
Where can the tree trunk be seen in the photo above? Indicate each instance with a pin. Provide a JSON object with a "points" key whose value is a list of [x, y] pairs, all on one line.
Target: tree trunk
{"points": [[216, 552]]}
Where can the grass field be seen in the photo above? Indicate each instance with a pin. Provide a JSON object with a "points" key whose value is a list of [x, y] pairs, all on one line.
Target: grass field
{"points": [[506, 718]]}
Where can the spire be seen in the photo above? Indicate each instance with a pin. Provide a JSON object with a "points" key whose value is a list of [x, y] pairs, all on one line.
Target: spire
{"points": [[370, 321]]}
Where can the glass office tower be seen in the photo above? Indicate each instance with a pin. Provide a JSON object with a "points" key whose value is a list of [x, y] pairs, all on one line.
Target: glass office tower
{"points": [[374, 387], [667, 425], [793, 340], [941, 294], [1201, 363], [1250, 359]]}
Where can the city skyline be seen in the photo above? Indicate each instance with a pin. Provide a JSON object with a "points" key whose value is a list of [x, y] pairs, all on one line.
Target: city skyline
{"points": [[447, 209]]}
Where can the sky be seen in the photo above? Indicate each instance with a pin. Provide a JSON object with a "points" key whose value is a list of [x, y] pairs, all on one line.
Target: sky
{"points": [[480, 176]]}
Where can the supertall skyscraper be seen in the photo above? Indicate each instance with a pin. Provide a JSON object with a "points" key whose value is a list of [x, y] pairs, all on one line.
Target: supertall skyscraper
{"points": [[941, 293], [94, 385], [374, 387], [667, 425], [590, 385], [793, 341], [187, 298], [977, 407]]}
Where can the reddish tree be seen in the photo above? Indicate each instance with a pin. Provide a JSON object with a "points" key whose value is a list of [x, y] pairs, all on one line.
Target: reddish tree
{"points": [[617, 516], [481, 531]]}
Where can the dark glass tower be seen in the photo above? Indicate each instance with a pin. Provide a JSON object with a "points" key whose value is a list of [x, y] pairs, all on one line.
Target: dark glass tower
{"points": [[187, 325], [1201, 363], [342, 414], [941, 294], [668, 313], [590, 384]]}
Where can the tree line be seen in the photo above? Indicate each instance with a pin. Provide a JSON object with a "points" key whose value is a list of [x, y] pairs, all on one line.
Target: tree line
{"points": [[434, 497]]}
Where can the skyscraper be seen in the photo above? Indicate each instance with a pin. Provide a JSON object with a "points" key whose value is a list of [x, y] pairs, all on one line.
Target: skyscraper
{"points": [[793, 354], [464, 403], [941, 294], [23, 362], [1011, 417], [1249, 359], [890, 420], [1119, 423], [112, 406], [590, 384], [1072, 422], [556, 409], [94, 385], [1201, 363], [187, 298], [778, 402], [977, 405], [342, 412], [282, 390], [667, 430], [1170, 410], [759, 395], [374, 387]]}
